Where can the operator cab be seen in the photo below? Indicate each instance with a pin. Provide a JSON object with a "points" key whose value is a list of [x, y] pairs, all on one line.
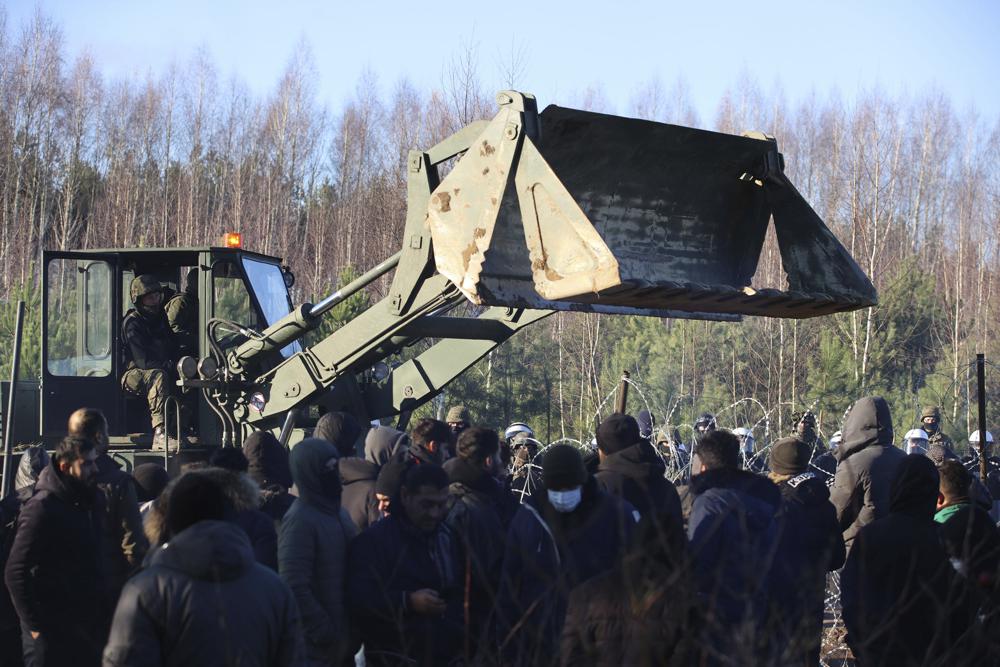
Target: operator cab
{"points": [[86, 297]]}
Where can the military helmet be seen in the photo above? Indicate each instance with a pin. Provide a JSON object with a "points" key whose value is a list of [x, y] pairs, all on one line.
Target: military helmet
{"points": [[930, 411], [143, 285]]}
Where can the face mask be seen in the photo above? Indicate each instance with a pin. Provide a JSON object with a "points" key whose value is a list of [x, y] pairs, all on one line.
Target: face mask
{"points": [[329, 479], [566, 501]]}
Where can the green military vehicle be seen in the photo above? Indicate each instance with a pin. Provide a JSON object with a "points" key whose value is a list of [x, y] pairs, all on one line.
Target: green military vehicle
{"points": [[538, 212]]}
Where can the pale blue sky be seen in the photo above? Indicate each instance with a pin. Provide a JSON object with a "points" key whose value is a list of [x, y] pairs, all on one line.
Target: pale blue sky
{"points": [[904, 47]]}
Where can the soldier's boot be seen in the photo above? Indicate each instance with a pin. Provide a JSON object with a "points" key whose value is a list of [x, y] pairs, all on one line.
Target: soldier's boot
{"points": [[159, 439]]}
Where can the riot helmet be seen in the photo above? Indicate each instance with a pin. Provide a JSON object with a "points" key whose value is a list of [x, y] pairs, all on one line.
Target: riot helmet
{"points": [[916, 441], [518, 431], [704, 424], [974, 439]]}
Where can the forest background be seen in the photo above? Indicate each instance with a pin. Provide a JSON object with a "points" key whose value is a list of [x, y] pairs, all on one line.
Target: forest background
{"points": [[911, 186]]}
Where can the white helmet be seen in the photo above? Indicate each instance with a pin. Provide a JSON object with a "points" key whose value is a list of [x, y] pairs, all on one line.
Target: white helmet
{"points": [[836, 439], [746, 438], [916, 441], [974, 438], [518, 429]]}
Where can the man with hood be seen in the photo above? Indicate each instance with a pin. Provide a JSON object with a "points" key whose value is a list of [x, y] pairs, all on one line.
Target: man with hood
{"points": [[359, 476], [809, 545], [867, 461], [312, 551], [54, 572], [631, 470], [341, 430], [407, 574], [151, 350], [202, 599], [902, 601], [123, 543], [732, 532], [267, 465], [567, 532]]}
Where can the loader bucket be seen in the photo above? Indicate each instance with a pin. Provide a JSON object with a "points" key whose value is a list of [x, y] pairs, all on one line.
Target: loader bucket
{"points": [[625, 215]]}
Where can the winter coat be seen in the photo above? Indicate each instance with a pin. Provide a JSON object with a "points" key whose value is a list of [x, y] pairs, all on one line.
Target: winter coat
{"points": [[642, 612], [902, 602], [33, 461], [358, 496], [866, 466], [312, 555], [547, 554], [389, 560], [972, 542], [123, 544], [733, 532], [149, 342], [810, 545], [477, 506], [268, 466], [203, 600], [636, 475], [54, 572]]}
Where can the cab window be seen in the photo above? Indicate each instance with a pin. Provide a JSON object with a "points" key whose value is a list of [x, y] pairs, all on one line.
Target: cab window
{"points": [[78, 334]]}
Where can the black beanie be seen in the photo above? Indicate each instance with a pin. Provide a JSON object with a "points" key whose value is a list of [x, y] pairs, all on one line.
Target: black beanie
{"points": [[229, 458], [390, 477], [195, 497], [562, 467], [789, 456], [617, 432], [150, 480]]}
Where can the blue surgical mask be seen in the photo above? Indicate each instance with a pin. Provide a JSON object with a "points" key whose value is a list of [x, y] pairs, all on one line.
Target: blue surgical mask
{"points": [[566, 501]]}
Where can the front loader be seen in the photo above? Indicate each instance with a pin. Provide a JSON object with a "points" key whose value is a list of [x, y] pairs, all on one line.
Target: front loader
{"points": [[558, 210]]}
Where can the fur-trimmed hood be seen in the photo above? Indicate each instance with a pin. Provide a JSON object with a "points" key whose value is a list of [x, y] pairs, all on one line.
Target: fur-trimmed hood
{"points": [[241, 492]]}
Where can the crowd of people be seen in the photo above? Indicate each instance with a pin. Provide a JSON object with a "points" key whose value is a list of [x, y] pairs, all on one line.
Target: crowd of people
{"points": [[455, 545]]}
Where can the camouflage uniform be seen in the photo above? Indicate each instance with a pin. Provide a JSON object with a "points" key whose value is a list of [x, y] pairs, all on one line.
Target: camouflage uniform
{"points": [[149, 344], [182, 315], [938, 437]]}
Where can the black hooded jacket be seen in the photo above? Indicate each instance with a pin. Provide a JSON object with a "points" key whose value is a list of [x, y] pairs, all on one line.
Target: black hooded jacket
{"points": [[810, 545], [54, 573], [867, 462], [202, 600], [268, 461], [636, 474], [902, 603]]}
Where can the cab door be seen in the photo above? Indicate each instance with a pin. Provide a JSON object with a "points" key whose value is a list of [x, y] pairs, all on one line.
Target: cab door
{"points": [[80, 364]]}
